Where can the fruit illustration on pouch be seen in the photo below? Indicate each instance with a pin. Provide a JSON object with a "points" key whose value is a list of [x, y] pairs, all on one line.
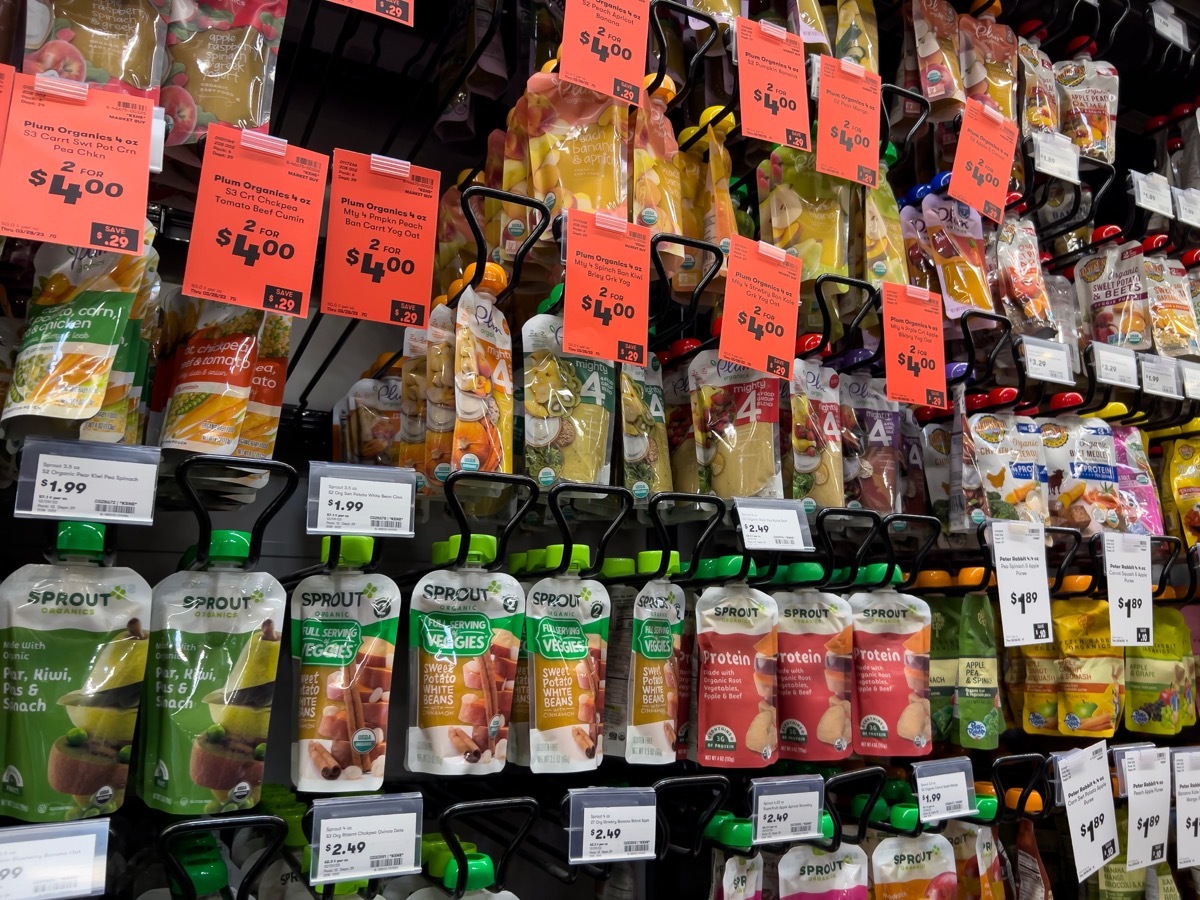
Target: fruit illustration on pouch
{"points": [[943, 887], [58, 58], [227, 757], [181, 112], [91, 761]]}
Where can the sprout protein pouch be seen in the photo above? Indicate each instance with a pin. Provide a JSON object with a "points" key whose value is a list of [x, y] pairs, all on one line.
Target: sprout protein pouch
{"points": [[915, 868], [810, 873]]}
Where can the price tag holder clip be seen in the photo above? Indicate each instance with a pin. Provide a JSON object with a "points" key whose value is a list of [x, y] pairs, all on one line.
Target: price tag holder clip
{"points": [[54, 860], [945, 789], [611, 825], [778, 525], [365, 837], [88, 482], [1048, 361], [786, 809], [1115, 366], [367, 500]]}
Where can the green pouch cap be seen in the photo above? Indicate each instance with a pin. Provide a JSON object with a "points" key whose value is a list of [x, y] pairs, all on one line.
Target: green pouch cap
{"points": [[581, 557], [481, 872], [731, 566], [988, 807], [897, 790], [440, 859], [737, 833], [879, 812], [617, 567], [207, 873], [875, 572], [805, 572], [552, 300], [439, 553], [355, 552], [905, 815], [516, 563], [648, 562], [81, 539], [826, 825], [480, 552], [712, 830], [535, 561], [229, 545]]}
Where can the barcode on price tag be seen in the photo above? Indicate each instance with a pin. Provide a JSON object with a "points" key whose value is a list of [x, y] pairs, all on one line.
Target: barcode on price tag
{"points": [[365, 837], [773, 525], [1116, 366], [1047, 361], [51, 861], [611, 825], [89, 482], [1171, 28], [787, 808], [370, 500]]}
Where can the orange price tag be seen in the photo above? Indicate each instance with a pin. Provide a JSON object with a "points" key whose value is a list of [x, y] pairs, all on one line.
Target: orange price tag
{"points": [[762, 304], [606, 297], [771, 84], [76, 165], [258, 214], [913, 344], [983, 160], [380, 239], [848, 104], [393, 10], [7, 76], [604, 46]]}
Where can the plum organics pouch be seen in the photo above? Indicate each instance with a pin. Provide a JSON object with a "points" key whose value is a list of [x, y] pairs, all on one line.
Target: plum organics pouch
{"points": [[681, 433], [567, 631], [214, 650], [653, 692], [75, 657], [644, 444], [464, 635], [343, 632], [870, 444], [439, 395], [1111, 285], [483, 387], [816, 675], [915, 868], [816, 437], [737, 648], [956, 243], [935, 448], [891, 663], [1081, 462], [810, 873], [1091, 671], [935, 28], [1135, 483]]}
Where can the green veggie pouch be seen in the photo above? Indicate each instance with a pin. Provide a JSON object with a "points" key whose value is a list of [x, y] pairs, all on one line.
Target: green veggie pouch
{"points": [[943, 664], [1154, 677], [977, 695]]}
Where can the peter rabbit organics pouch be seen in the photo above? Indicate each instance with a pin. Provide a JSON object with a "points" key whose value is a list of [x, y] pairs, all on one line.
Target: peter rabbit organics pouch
{"points": [[569, 406], [464, 636], [75, 655], [737, 640], [567, 633]]}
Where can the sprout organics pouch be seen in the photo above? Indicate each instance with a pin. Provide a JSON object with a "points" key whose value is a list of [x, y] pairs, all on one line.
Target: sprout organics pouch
{"points": [[483, 388], [891, 663], [870, 444], [915, 868], [810, 873], [742, 878], [1111, 286], [1155, 676], [569, 406], [681, 434], [976, 860], [737, 649], [644, 429], [343, 633], [736, 419], [816, 675], [1091, 671], [566, 629], [1081, 462], [75, 657], [816, 436], [654, 685], [464, 635], [214, 648]]}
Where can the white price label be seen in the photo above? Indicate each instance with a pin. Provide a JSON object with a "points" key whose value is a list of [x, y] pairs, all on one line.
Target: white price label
{"points": [[774, 525], [1187, 808], [1189, 374], [1127, 568], [1055, 155], [353, 847], [1116, 366], [787, 817], [1160, 376], [1153, 193], [49, 861], [943, 796], [1171, 28], [1019, 549], [1148, 786], [99, 490], [1187, 206], [1087, 795], [616, 833], [352, 506], [1048, 361]]}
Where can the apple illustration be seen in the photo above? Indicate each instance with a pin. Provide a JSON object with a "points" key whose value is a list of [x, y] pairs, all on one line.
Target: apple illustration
{"points": [[943, 887], [181, 110], [62, 59]]}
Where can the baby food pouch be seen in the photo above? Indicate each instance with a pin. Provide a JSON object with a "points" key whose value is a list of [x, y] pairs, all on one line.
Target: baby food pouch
{"points": [[857, 34], [439, 394], [1182, 475], [808, 214], [805, 19], [891, 664], [988, 57], [1081, 461], [1033, 880], [652, 710], [211, 391], [464, 626], [955, 234], [737, 638], [370, 414], [945, 621], [816, 436], [884, 257], [1087, 101], [70, 709], [518, 728], [343, 632], [1111, 286], [1171, 314], [214, 648], [1091, 670], [260, 427], [221, 60], [566, 628], [977, 696], [976, 860], [810, 873], [913, 497], [644, 429], [1010, 462], [455, 243], [410, 441], [719, 219], [1135, 483], [569, 405], [109, 44], [1039, 97], [1040, 692], [735, 413], [1155, 676], [657, 193], [681, 433], [483, 394], [870, 444], [1160, 883], [742, 878], [935, 29], [816, 675], [912, 868], [1022, 286], [935, 450]]}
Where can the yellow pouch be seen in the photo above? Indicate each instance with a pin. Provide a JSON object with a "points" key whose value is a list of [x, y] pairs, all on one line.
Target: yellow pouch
{"points": [[1184, 481], [1040, 693], [1091, 670]]}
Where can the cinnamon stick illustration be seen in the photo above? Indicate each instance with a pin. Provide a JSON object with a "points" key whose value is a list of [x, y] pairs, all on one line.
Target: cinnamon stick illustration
{"points": [[463, 743], [584, 740], [488, 674], [324, 761], [354, 716]]}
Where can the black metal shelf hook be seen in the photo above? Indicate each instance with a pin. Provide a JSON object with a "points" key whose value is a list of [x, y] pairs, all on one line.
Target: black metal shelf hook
{"points": [[717, 785], [476, 807], [623, 495], [542, 222], [167, 839]]}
